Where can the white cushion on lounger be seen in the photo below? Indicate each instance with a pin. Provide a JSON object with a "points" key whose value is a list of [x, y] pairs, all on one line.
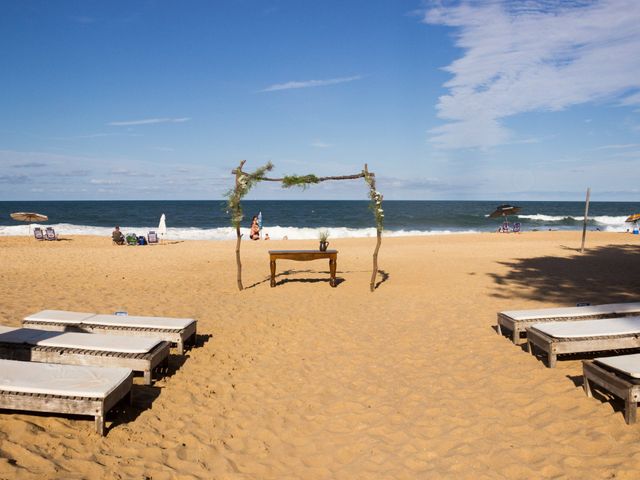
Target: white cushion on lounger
{"points": [[609, 308], [629, 364], [97, 342], [85, 341], [67, 380], [591, 328], [59, 316], [167, 323]]}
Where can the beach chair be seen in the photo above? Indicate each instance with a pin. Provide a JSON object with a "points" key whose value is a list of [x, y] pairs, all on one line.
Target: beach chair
{"points": [[67, 389], [517, 321], [619, 376], [50, 234], [152, 237], [37, 233], [516, 227], [179, 331], [140, 354], [132, 239], [586, 336]]}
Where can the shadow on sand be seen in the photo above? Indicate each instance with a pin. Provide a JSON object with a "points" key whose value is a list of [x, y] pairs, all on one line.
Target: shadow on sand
{"points": [[607, 274]]}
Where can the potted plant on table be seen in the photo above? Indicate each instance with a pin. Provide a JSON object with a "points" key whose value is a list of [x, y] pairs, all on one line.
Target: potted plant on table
{"points": [[323, 235]]}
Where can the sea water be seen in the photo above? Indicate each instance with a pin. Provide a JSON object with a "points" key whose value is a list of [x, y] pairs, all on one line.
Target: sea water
{"points": [[210, 220]]}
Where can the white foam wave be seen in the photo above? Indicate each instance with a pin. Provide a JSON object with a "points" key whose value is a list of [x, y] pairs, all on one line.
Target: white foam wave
{"points": [[225, 233], [547, 218], [612, 223]]}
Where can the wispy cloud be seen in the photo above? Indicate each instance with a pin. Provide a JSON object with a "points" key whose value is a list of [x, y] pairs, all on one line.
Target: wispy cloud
{"points": [[68, 174], [29, 165], [83, 19], [104, 181], [13, 179], [148, 121], [618, 146], [97, 135], [320, 144], [125, 172], [538, 55], [310, 83]]}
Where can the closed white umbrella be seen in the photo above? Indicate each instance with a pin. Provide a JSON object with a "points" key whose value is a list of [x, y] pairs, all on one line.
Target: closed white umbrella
{"points": [[162, 227]]}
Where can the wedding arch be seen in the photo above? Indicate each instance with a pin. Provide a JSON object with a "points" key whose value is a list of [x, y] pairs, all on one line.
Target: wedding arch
{"points": [[244, 181]]}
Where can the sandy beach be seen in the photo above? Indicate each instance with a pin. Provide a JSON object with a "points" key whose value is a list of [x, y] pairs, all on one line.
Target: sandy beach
{"points": [[307, 381]]}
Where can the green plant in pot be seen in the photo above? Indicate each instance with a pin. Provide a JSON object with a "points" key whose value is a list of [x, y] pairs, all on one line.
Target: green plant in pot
{"points": [[323, 236]]}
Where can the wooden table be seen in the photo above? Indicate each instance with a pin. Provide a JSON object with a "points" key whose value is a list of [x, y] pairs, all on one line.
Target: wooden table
{"points": [[304, 256]]}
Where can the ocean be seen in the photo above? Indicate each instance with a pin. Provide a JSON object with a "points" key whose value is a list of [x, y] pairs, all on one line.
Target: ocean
{"points": [[209, 220]]}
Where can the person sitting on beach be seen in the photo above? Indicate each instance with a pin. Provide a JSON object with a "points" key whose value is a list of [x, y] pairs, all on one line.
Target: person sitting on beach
{"points": [[117, 236], [254, 234], [266, 236]]}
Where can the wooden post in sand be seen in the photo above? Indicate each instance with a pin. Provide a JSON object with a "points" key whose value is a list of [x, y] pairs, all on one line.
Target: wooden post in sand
{"points": [[586, 214]]}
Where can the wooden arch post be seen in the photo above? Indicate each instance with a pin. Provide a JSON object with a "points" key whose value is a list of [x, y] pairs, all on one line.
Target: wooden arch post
{"points": [[244, 181]]}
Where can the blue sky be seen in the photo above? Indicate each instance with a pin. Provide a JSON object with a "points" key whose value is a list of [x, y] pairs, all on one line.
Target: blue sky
{"points": [[444, 100]]}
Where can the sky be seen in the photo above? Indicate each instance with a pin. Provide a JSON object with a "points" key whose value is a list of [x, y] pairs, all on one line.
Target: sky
{"points": [[444, 100]]}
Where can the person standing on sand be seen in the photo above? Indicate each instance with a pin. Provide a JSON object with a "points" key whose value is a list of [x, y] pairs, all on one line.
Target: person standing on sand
{"points": [[254, 233]]}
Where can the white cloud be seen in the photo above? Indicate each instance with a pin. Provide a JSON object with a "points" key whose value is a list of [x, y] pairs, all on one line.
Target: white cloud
{"points": [[538, 55], [148, 121], [310, 83]]}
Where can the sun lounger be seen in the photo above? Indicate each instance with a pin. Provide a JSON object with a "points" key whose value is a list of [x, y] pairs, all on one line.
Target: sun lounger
{"points": [[152, 237], [37, 233], [139, 354], [517, 321], [619, 376], [557, 338], [50, 234], [68, 389], [176, 330]]}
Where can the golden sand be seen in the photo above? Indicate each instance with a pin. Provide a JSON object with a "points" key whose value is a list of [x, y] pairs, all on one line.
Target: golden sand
{"points": [[308, 381]]}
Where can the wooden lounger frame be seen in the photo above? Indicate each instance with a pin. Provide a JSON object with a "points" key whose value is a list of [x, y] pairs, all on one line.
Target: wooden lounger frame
{"points": [[616, 383], [95, 407], [138, 362], [517, 327], [180, 337], [557, 346]]}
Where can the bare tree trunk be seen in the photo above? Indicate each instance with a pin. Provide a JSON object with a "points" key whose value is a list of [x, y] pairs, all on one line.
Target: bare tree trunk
{"points": [[374, 274], [237, 172], [239, 237]]}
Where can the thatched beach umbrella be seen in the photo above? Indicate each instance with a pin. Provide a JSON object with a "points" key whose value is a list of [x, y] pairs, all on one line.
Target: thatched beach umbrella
{"points": [[29, 217]]}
